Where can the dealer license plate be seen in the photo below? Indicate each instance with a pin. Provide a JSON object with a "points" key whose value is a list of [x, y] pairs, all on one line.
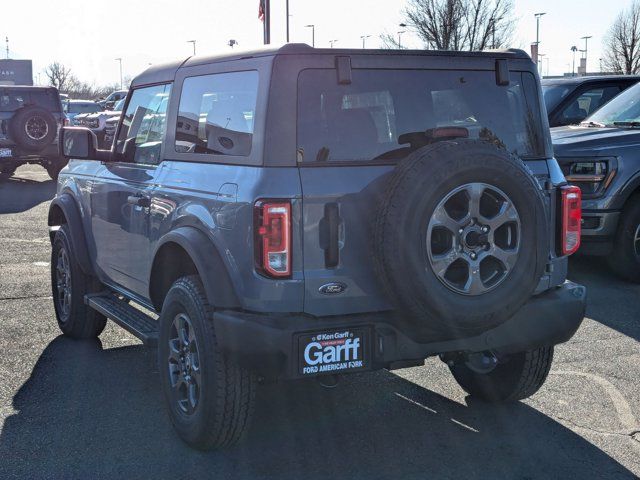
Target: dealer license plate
{"points": [[5, 152], [333, 351]]}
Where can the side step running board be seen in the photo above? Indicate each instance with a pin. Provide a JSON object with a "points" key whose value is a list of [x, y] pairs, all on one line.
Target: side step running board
{"points": [[130, 318]]}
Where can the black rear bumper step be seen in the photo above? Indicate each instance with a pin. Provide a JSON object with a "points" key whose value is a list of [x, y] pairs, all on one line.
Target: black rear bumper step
{"points": [[128, 317]]}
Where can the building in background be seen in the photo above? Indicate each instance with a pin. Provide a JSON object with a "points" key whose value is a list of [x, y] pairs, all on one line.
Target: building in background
{"points": [[16, 72]]}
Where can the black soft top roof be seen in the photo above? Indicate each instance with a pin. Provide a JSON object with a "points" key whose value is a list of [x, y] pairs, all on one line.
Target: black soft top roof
{"points": [[166, 72]]}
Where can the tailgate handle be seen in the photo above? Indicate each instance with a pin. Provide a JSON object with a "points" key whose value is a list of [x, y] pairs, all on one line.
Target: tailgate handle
{"points": [[330, 235]]}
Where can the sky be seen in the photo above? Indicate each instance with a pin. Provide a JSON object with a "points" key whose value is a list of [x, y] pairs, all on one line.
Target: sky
{"points": [[88, 35]]}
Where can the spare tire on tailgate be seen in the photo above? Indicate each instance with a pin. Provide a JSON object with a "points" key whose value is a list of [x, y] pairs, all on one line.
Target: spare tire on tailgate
{"points": [[462, 238], [33, 128]]}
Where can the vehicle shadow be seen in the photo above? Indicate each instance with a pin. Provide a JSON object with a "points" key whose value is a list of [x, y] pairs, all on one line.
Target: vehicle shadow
{"points": [[20, 194], [86, 412], [608, 295]]}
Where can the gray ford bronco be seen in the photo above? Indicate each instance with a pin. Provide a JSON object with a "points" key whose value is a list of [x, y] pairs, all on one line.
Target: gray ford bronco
{"points": [[292, 213]]}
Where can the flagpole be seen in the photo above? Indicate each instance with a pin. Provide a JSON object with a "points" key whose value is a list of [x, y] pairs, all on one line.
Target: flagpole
{"points": [[287, 21], [267, 22]]}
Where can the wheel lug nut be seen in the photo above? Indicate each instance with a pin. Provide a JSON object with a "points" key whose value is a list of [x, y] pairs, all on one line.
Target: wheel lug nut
{"points": [[485, 229], [460, 231], [473, 255]]}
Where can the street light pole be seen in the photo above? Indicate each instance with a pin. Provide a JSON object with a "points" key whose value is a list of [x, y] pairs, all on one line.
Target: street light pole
{"points": [[538, 15], [194, 46], [586, 40], [364, 39], [313, 34], [119, 60], [400, 38]]}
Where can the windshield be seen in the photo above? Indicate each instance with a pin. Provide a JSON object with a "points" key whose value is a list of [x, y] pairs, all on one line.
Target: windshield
{"points": [[553, 95], [83, 107], [119, 105], [623, 109]]}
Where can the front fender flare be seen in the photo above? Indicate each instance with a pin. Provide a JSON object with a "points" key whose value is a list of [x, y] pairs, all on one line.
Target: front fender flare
{"points": [[71, 213]]}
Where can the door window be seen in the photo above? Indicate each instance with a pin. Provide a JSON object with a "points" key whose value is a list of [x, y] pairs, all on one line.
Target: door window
{"points": [[144, 125], [216, 114], [587, 103]]}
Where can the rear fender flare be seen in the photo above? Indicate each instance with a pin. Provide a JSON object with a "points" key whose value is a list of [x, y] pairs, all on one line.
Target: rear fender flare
{"points": [[208, 262]]}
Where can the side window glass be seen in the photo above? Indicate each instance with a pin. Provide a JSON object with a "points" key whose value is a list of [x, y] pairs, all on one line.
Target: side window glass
{"points": [[587, 103], [216, 114], [144, 125]]}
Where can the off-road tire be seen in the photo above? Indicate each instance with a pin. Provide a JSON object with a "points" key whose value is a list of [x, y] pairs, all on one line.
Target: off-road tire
{"points": [[18, 128], [516, 377], [6, 173], [227, 391], [624, 260], [78, 321], [53, 169], [419, 183]]}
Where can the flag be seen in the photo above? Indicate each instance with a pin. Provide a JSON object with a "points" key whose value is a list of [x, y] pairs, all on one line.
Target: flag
{"points": [[261, 11]]}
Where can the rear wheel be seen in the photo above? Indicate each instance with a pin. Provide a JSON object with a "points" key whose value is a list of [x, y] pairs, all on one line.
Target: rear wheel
{"points": [[69, 285], [504, 379], [53, 169], [625, 259], [6, 173], [209, 397]]}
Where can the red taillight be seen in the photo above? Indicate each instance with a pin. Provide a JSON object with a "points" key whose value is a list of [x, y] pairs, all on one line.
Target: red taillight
{"points": [[571, 218], [273, 238]]}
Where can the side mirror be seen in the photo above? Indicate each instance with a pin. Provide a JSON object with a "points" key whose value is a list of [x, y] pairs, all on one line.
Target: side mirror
{"points": [[80, 143]]}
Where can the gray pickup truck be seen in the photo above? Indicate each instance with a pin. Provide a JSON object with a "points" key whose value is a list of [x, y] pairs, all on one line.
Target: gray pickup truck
{"points": [[296, 212]]}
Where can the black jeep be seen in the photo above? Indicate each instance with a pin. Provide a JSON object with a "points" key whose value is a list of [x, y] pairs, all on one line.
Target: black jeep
{"points": [[30, 118]]}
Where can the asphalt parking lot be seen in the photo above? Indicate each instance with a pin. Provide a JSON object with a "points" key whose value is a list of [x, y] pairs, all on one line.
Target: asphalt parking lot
{"points": [[72, 409]]}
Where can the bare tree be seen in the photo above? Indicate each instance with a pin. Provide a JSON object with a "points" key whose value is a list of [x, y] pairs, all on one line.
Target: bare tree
{"points": [[59, 76], [459, 24], [622, 43]]}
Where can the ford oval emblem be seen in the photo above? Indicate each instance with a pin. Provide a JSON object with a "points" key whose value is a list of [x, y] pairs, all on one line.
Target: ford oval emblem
{"points": [[333, 288]]}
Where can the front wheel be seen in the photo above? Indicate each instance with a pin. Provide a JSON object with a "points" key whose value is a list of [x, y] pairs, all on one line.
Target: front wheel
{"points": [[69, 285], [209, 397], [625, 259], [508, 379]]}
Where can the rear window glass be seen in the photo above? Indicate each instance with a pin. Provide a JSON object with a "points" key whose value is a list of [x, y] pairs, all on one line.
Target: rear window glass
{"points": [[216, 114], [46, 99], [385, 114]]}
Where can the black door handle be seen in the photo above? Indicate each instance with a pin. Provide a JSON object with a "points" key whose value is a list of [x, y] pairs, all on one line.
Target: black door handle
{"points": [[139, 201]]}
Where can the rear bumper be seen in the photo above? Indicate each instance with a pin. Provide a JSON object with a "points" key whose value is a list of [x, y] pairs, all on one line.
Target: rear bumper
{"points": [[267, 344]]}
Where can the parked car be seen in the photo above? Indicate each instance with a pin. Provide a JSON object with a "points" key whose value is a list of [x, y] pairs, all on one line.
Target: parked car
{"points": [[114, 97], [297, 212], [111, 124], [76, 107], [29, 121], [97, 122], [570, 100], [602, 157]]}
